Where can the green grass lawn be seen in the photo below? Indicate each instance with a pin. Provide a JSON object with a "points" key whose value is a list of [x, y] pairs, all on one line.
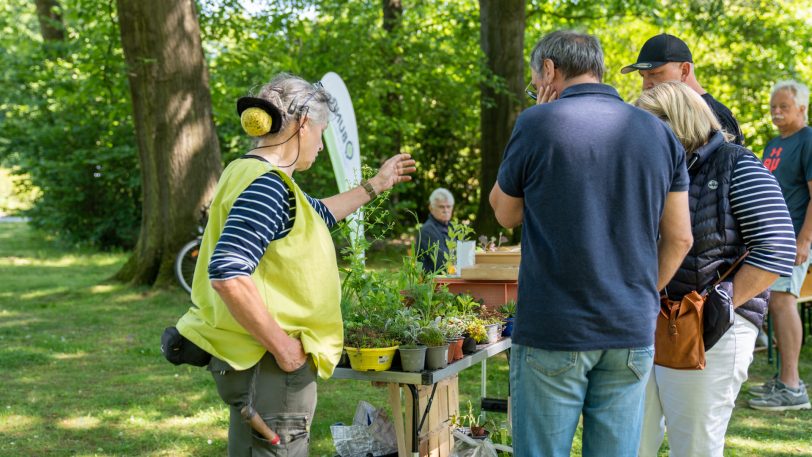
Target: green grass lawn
{"points": [[84, 375]]}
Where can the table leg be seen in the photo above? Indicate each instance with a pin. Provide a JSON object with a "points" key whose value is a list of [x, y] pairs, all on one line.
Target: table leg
{"points": [[415, 412], [394, 403], [483, 385], [416, 426]]}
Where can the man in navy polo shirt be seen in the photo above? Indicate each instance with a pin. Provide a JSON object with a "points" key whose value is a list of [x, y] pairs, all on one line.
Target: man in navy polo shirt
{"points": [[600, 188]]}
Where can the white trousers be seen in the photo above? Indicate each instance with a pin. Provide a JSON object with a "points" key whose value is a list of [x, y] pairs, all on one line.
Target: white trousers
{"points": [[695, 405]]}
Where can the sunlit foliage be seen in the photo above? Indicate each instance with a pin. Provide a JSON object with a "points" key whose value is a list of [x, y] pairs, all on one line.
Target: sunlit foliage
{"points": [[65, 109]]}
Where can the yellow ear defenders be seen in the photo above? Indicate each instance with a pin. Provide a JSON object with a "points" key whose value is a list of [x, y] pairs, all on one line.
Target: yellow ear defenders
{"points": [[258, 117]]}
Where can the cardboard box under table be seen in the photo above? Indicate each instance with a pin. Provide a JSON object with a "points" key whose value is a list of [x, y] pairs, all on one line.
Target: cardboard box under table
{"points": [[432, 399]]}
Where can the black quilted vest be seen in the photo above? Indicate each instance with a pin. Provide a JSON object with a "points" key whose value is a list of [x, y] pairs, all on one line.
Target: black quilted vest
{"points": [[717, 239]]}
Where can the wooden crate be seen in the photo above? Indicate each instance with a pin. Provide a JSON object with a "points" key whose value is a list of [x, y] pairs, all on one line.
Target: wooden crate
{"points": [[499, 257], [491, 271], [493, 293], [435, 438]]}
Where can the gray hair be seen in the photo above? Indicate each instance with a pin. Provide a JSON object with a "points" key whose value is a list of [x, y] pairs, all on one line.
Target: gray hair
{"points": [[296, 97], [573, 53], [441, 194], [799, 92]]}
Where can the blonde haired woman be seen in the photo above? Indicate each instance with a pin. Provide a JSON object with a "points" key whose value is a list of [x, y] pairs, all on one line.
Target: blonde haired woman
{"points": [[736, 206]]}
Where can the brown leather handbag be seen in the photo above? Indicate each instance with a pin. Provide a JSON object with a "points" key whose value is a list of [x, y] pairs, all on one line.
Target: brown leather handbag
{"points": [[678, 339]]}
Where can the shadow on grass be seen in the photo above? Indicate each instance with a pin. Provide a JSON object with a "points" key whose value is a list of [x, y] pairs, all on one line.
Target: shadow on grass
{"points": [[13, 359], [88, 377]]}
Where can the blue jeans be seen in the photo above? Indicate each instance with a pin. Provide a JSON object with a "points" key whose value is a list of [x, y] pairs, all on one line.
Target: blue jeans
{"points": [[551, 389]]}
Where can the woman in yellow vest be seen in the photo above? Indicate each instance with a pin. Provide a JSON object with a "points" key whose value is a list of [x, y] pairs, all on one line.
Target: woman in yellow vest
{"points": [[266, 289]]}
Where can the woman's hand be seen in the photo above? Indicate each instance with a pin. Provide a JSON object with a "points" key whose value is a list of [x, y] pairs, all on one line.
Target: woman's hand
{"points": [[290, 354], [395, 170]]}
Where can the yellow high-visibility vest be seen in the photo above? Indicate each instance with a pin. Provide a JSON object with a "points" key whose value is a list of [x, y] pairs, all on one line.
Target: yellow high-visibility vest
{"points": [[297, 278]]}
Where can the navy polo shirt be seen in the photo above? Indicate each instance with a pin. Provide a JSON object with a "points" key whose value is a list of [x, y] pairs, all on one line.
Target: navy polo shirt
{"points": [[594, 173]]}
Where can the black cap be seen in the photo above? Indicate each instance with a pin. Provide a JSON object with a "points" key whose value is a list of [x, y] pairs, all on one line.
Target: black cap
{"points": [[253, 102], [659, 50]]}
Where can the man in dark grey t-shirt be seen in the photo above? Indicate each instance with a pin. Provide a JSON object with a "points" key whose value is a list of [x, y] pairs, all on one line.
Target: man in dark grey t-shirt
{"points": [[667, 58], [789, 157], [593, 181]]}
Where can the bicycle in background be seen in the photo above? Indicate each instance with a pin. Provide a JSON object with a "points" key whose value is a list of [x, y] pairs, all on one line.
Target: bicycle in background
{"points": [[186, 260]]}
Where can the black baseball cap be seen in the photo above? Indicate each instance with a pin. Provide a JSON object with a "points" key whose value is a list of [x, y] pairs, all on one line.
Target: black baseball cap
{"points": [[659, 50]]}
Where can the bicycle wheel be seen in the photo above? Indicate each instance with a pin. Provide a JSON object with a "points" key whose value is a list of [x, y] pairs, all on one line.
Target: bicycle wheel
{"points": [[185, 264]]}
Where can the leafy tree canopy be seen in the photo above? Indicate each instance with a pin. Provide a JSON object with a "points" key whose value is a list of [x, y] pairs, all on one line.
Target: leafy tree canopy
{"points": [[65, 113]]}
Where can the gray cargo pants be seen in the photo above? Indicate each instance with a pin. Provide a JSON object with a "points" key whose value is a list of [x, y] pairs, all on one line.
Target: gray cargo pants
{"points": [[285, 401]]}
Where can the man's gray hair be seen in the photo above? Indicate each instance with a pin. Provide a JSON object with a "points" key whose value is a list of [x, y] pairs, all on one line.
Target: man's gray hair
{"points": [[799, 92], [573, 53], [441, 194]]}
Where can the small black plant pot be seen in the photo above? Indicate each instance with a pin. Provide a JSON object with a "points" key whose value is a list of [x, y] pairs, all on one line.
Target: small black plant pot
{"points": [[468, 345], [344, 361]]}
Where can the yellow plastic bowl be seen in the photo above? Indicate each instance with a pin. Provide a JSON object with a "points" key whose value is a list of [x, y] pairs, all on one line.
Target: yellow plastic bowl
{"points": [[371, 359]]}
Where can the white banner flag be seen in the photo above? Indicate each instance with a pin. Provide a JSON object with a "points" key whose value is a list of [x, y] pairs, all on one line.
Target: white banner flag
{"points": [[341, 136], [341, 141]]}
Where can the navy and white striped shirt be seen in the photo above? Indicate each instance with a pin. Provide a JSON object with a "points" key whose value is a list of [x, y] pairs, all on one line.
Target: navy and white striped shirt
{"points": [[759, 208], [264, 212]]}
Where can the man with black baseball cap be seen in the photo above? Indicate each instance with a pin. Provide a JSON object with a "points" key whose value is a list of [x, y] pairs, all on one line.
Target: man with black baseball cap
{"points": [[667, 58]]}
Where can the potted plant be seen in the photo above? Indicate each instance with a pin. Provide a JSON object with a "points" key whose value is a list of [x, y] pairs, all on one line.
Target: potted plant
{"points": [[493, 329], [491, 244], [370, 345], [469, 424], [493, 321], [475, 329], [368, 348], [509, 311], [437, 347], [453, 327], [368, 298], [406, 325]]}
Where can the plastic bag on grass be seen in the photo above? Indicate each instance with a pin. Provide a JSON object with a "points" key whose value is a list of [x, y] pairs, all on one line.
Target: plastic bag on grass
{"points": [[465, 446], [371, 433]]}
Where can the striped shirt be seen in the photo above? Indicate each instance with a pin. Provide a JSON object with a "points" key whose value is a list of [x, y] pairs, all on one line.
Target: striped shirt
{"points": [[264, 212], [759, 208]]}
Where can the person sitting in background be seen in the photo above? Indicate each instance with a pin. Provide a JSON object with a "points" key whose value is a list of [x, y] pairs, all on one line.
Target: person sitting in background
{"points": [[435, 230], [736, 206]]}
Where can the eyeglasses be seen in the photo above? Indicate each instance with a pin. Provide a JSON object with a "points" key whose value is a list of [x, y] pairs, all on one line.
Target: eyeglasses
{"points": [[531, 91]]}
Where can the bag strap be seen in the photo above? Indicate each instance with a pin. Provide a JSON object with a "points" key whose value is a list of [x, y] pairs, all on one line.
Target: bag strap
{"points": [[727, 273]]}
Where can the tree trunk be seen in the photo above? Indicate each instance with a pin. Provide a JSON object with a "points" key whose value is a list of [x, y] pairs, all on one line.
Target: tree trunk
{"points": [[393, 105], [177, 145], [50, 20], [392, 14], [502, 25]]}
